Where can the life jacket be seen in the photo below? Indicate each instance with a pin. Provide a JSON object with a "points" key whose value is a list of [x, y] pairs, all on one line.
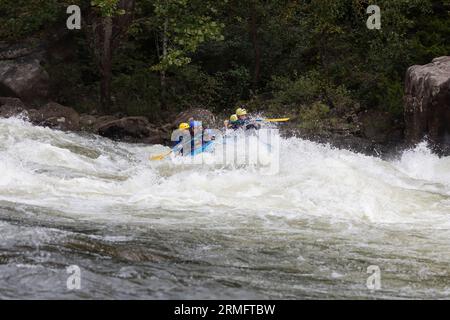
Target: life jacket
{"points": [[177, 146], [245, 124], [234, 125], [252, 125]]}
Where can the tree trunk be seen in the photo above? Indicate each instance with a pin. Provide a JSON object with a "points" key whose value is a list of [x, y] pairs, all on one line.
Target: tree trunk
{"points": [[107, 33], [253, 26], [106, 64], [165, 46]]}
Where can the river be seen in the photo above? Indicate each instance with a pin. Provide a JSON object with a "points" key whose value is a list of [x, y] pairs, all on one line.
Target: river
{"points": [[143, 229]]}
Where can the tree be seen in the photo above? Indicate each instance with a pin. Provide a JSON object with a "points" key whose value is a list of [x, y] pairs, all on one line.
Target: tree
{"points": [[109, 20], [183, 25]]}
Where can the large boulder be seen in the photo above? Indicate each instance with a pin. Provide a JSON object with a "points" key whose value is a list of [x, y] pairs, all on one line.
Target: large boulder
{"points": [[102, 120], [23, 78], [129, 129], [427, 101], [56, 116]]}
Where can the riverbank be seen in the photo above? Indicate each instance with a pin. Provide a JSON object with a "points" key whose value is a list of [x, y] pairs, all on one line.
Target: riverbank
{"points": [[138, 129], [369, 131], [26, 74]]}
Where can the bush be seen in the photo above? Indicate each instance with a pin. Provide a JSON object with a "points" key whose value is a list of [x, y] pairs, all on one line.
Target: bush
{"points": [[22, 18], [311, 117], [190, 86], [303, 90], [137, 94], [308, 90], [233, 86]]}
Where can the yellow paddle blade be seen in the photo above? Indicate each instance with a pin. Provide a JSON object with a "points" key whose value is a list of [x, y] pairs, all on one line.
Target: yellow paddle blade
{"points": [[157, 157], [277, 120], [160, 156]]}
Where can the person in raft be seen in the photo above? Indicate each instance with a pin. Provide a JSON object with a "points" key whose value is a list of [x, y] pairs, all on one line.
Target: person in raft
{"points": [[241, 120], [178, 145]]}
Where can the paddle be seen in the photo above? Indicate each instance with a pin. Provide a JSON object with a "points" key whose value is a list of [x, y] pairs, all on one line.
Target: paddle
{"points": [[274, 120], [163, 155]]}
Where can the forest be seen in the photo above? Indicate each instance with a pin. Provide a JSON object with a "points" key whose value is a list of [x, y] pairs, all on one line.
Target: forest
{"points": [[314, 60]]}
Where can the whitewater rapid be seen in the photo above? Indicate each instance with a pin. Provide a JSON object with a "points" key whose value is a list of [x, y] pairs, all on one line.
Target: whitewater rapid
{"points": [[218, 231]]}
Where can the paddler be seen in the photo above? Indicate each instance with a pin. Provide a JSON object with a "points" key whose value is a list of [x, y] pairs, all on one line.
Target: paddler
{"points": [[196, 129], [244, 120], [184, 132], [232, 123]]}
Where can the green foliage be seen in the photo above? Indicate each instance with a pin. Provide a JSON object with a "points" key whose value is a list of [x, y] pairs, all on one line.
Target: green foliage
{"points": [[232, 87], [137, 94], [300, 90], [108, 8], [22, 18], [192, 87], [311, 117], [391, 97], [185, 25]]}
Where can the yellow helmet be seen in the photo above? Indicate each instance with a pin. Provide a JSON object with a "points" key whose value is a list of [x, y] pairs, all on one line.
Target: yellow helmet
{"points": [[241, 112], [184, 126], [234, 118]]}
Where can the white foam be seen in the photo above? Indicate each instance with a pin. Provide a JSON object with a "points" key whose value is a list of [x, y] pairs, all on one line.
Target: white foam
{"points": [[94, 178]]}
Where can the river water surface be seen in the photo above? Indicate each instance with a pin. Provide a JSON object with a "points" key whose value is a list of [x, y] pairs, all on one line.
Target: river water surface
{"points": [[161, 230]]}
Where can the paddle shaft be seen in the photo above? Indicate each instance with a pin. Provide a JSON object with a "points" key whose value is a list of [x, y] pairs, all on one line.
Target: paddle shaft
{"points": [[274, 120]]}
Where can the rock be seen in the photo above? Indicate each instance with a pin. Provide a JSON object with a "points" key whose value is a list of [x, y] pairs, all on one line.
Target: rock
{"points": [[427, 102], [25, 47], [205, 116], [10, 107], [87, 122], [12, 111], [24, 78], [12, 102], [102, 120], [57, 116], [34, 116], [129, 129]]}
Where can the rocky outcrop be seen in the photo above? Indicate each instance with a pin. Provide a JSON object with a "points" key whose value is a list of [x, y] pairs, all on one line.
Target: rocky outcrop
{"points": [[8, 51], [23, 78], [130, 129], [427, 102], [56, 116], [10, 107], [87, 122], [8, 101]]}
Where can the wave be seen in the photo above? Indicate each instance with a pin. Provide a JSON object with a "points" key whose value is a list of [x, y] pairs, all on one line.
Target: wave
{"points": [[88, 177]]}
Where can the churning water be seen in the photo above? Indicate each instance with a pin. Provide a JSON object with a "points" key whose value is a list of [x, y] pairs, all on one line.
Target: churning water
{"points": [[165, 229]]}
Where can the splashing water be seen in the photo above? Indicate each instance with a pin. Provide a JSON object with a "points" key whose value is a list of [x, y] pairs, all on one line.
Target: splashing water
{"points": [[172, 229]]}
